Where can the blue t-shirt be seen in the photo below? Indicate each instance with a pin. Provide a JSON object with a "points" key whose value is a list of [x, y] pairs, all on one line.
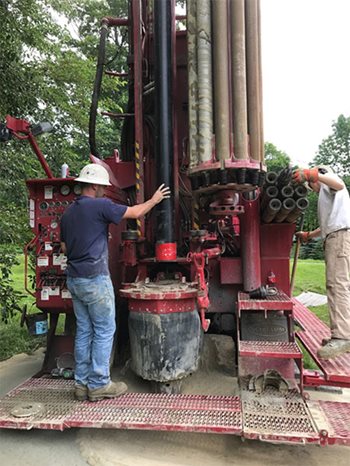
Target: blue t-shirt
{"points": [[84, 230]]}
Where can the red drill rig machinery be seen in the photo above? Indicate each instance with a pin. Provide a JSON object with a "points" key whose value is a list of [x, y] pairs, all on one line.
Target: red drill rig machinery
{"points": [[214, 258]]}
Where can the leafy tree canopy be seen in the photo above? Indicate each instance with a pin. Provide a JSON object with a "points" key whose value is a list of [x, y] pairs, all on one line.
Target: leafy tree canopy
{"points": [[275, 159], [335, 149], [48, 51]]}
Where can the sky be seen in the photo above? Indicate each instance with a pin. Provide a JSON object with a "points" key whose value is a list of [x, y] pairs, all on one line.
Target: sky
{"points": [[306, 72]]}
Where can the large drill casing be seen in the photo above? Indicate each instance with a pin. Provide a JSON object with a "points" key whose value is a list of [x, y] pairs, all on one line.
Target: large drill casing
{"points": [[165, 347]]}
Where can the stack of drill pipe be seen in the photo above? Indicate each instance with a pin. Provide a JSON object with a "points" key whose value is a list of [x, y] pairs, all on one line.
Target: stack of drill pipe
{"points": [[286, 192], [271, 178], [225, 85], [269, 193], [288, 205], [300, 191], [292, 199], [271, 210], [301, 205], [284, 177]]}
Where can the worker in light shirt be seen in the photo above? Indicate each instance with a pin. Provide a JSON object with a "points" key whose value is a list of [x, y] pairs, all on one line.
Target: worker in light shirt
{"points": [[333, 210]]}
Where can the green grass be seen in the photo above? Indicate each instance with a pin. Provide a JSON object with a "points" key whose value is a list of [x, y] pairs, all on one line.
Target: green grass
{"points": [[310, 276], [14, 338]]}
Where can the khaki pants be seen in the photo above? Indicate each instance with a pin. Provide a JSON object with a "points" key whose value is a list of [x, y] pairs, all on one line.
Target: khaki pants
{"points": [[337, 256]]}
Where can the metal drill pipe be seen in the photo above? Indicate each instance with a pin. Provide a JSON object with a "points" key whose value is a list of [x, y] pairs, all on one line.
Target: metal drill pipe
{"points": [[239, 79], [253, 79], [286, 191], [221, 80], [271, 177], [164, 113], [192, 67], [269, 193], [261, 117], [300, 191], [271, 210], [287, 206], [205, 86], [301, 205]]}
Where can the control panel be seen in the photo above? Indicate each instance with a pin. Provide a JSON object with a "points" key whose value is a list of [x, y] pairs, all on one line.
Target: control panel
{"points": [[48, 199]]}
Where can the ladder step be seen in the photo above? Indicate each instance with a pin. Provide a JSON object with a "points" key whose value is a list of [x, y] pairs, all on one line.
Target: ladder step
{"points": [[269, 349], [279, 302], [116, 74], [118, 115]]}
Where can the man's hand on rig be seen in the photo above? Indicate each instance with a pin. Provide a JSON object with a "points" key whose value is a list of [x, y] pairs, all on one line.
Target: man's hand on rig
{"points": [[305, 174], [163, 192], [303, 235]]}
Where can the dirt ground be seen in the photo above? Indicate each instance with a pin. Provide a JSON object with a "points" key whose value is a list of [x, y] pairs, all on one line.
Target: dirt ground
{"points": [[97, 447]]}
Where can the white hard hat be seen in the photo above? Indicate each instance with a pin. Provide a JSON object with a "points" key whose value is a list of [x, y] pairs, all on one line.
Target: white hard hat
{"points": [[94, 174]]}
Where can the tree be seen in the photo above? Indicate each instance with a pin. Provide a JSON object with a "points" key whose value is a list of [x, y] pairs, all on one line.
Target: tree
{"points": [[48, 51], [47, 63], [335, 149], [275, 159]]}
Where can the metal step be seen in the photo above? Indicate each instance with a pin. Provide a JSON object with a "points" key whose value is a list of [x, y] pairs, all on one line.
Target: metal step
{"points": [[279, 302], [269, 349], [276, 417], [313, 331]]}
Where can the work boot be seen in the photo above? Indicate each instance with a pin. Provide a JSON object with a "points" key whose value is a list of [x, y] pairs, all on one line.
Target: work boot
{"points": [[110, 390], [80, 392], [335, 347]]}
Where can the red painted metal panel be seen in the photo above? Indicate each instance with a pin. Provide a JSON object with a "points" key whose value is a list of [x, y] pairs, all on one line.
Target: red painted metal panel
{"points": [[162, 306], [276, 239], [275, 245], [230, 270]]}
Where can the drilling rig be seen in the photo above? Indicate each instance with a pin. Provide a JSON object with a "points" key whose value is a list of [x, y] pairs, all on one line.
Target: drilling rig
{"points": [[212, 259]]}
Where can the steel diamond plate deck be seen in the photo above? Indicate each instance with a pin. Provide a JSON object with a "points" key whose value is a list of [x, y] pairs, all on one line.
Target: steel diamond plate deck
{"points": [[311, 335], [195, 413], [273, 417], [277, 417]]}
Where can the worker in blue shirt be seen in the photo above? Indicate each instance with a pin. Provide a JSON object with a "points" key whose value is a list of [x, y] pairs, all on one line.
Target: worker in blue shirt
{"points": [[84, 239]]}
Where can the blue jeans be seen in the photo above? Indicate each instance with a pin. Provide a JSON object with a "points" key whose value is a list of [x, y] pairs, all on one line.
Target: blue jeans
{"points": [[94, 309]]}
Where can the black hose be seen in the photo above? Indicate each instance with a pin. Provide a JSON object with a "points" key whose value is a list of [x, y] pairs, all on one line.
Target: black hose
{"points": [[97, 89]]}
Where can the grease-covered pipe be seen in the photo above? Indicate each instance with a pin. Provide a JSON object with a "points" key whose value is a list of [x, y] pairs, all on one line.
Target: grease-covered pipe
{"points": [[239, 88], [253, 79], [221, 79], [205, 85], [192, 69]]}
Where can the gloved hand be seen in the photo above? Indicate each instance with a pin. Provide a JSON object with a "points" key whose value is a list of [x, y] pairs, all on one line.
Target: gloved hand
{"points": [[303, 235], [307, 174]]}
